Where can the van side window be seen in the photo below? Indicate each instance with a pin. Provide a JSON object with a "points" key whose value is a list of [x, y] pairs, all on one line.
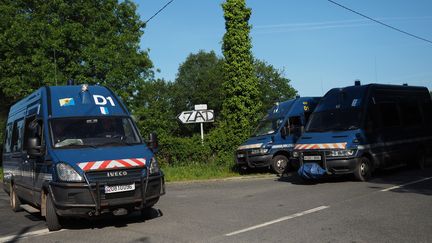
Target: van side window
{"points": [[8, 139], [17, 135], [389, 114], [33, 128], [410, 113]]}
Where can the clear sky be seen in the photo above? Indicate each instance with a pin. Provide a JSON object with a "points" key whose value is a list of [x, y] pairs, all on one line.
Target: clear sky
{"points": [[318, 44]]}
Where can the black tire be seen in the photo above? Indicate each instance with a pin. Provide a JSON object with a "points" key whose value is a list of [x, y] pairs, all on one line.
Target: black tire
{"points": [[363, 171], [279, 164], [15, 202], [52, 219]]}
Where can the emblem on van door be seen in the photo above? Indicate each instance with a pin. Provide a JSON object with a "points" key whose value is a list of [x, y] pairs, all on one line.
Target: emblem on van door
{"points": [[116, 173]]}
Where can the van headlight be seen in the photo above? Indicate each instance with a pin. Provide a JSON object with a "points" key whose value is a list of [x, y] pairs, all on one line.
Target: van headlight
{"points": [[154, 167], [65, 172], [341, 153]]}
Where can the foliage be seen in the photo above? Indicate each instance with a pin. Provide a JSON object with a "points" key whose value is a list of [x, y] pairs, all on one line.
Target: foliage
{"points": [[241, 103], [184, 150], [50, 42], [153, 108], [273, 85], [199, 81]]}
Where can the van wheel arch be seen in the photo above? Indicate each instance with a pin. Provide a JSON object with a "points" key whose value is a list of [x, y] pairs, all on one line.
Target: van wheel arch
{"points": [[372, 161]]}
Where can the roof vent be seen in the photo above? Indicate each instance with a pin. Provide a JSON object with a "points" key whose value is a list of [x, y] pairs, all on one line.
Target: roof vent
{"points": [[357, 82], [405, 84]]}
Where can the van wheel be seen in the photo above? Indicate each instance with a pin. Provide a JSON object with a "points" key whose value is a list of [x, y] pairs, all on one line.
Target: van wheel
{"points": [[279, 164], [52, 219], [363, 171], [15, 202]]}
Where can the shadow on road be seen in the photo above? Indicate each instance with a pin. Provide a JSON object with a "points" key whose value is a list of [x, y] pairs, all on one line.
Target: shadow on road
{"points": [[110, 220], [382, 179]]}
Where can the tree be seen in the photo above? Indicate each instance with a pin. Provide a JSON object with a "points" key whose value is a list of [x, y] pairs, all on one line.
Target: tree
{"points": [[273, 85], [199, 81], [50, 42], [153, 108], [242, 96]]}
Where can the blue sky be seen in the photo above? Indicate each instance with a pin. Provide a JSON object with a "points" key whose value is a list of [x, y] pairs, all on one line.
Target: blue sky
{"points": [[318, 44]]}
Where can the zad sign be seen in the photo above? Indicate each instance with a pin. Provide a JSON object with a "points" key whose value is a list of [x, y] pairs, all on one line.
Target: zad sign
{"points": [[198, 116]]}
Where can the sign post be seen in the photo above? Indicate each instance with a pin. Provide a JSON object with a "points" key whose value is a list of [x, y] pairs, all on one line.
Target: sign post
{"points": [[199, 115]]}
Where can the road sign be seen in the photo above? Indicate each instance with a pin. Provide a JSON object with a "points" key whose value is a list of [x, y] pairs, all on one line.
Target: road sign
{"points": [[200, 107], [199, 116]]}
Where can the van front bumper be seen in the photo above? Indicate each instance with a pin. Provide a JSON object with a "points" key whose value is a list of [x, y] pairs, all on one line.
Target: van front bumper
{"points": [[82, 199], [342, 166], [253, 161]]}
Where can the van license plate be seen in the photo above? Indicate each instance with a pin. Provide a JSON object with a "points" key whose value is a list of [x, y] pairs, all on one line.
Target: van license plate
{"points": [[119, 188], [312, 157]]}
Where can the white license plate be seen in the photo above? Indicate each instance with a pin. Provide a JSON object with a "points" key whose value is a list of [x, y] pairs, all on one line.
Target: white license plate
{"points": [[312, 157], [119, 188]]}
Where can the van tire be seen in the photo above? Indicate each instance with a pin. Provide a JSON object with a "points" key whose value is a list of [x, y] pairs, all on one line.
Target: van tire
{"points": [[363, 172], [15, 202], [279, 164], [52, 219]]}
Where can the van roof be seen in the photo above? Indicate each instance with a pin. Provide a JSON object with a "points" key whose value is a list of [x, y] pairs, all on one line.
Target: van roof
{"points": [[69, 101]]}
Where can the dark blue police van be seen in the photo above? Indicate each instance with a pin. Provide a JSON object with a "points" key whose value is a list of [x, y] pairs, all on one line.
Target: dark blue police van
{"points": [[274, 138], [75, 151], [357, 129]]}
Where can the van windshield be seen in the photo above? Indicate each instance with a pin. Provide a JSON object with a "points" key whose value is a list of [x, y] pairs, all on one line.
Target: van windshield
{"points": [[93, 132], [334, 120], [267, 126]]}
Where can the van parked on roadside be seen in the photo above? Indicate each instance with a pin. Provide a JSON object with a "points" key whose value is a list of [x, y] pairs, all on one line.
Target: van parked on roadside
{"points": [[273, 140], [74, 151], [360, 128]]}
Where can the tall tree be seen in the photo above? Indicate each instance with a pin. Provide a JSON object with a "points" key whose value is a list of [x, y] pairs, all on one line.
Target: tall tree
{"points": [[272, 83], [241, 104], [49, 42], [199, 81]]}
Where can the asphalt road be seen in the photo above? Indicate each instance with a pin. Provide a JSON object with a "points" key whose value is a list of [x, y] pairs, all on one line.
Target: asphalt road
{"points": [[268, 209]]}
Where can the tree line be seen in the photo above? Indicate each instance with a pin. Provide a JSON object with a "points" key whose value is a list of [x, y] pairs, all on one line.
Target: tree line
{"points": [[98, 42]]}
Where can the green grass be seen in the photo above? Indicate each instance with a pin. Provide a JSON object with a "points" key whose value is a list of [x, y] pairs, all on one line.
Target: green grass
{"points": [[1, 173], [197, 172]]}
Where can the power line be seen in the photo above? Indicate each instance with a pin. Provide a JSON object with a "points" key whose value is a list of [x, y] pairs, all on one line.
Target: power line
{"points": [[379, 22], [160, 10]]}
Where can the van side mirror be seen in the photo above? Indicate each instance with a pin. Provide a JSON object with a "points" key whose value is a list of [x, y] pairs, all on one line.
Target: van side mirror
{"points": [[153, 142], [34, 147]]}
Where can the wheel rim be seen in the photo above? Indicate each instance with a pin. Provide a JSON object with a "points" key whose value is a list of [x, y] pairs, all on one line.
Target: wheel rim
{"points": [[281, 164], [363, 169]]}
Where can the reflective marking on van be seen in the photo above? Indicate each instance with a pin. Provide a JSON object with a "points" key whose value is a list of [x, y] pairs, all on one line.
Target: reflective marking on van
{"points": [[288, 145], [250, 146], [111, 164], [321, 146]]}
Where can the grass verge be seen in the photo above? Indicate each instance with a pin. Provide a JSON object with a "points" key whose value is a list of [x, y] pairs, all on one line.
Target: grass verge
{"points": [[1, 173], [197, 172]]}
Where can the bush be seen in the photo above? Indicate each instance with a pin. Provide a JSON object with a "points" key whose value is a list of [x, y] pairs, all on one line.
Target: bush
{"points": [[184, 151]]}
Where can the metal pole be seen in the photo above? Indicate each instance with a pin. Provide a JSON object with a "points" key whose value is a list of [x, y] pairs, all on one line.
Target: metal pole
{"points": [[202, 132]]}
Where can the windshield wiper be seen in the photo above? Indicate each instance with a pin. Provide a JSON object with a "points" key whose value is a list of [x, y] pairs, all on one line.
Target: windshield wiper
{"points": [[116, 142]]}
